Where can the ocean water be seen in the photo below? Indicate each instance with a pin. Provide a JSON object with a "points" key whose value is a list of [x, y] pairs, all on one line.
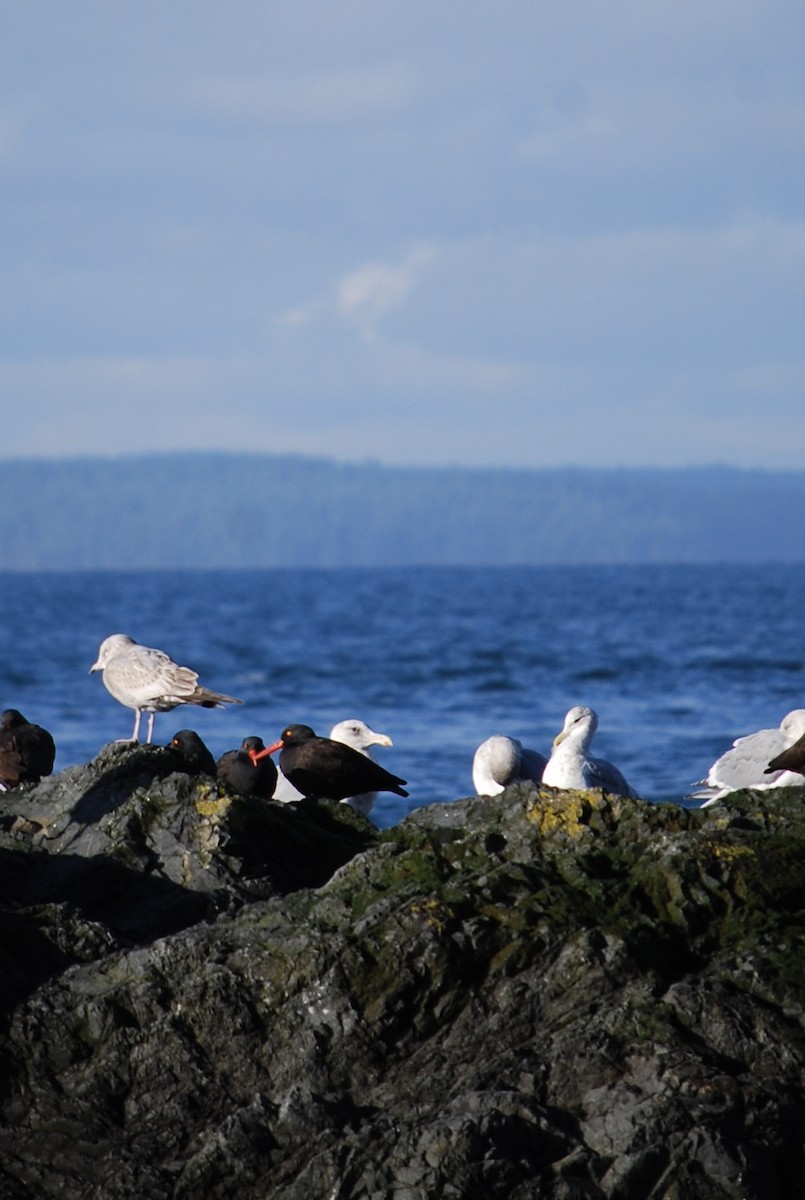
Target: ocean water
{"points": [[676, 660]]}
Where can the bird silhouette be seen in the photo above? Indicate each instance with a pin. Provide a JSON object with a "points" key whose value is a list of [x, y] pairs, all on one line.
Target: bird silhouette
{"points": [[239, 772], [195, 756], [27, 751]]}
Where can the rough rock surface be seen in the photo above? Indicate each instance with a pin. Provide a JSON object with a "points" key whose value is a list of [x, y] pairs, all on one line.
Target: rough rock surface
{"points": [[558, 995]]}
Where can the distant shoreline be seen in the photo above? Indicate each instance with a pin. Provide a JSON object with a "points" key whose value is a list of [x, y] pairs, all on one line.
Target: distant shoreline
{"points": [[199, 510]]}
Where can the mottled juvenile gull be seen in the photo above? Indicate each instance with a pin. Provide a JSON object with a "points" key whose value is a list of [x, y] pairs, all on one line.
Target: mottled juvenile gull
{"points": [[147, 680], [27, 751], [744, 766], [361, 737], [571, 765], [325, 769], [502, 760]]}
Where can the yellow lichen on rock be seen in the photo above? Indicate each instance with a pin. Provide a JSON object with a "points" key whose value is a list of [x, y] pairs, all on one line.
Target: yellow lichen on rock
{"points": [[563, 813], [433, 910], [730, 852], [211, 804]]}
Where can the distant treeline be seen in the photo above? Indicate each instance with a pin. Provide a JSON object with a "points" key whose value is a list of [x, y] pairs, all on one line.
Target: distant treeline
{"points": [[231, 510]]}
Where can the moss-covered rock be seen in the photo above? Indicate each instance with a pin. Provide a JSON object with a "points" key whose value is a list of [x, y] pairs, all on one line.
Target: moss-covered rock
{"points": [[542, 995]]}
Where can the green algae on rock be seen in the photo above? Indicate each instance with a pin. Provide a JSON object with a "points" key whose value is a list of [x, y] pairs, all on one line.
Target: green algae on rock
{"points": [[542, 995]]}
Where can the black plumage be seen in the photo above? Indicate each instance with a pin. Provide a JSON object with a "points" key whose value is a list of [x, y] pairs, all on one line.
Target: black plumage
{"points": [[196, 759], [27, 751], [321, 768], [792, 759], [238, 771]]}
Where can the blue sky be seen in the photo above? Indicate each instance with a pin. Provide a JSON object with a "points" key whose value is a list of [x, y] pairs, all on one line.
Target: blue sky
{"points": [[442, 232]]}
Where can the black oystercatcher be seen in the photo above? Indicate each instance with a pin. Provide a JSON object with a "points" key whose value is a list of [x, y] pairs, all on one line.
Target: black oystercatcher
{"points": [[355, 733], [148, 681], [240, 772], [195, 756], [27, 751], [792, 759], [321, 768]]}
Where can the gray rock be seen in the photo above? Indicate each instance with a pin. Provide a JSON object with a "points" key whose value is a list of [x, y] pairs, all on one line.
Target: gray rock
{"points": [[543, 995]]}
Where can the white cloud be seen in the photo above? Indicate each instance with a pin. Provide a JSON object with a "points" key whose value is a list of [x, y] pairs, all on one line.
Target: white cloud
{"points": [[365, 294], [295, 225], [377, 287]]}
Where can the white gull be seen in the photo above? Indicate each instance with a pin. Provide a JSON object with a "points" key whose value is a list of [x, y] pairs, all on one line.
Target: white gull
{"points": [[502, 760], [147, 680], [572, 766], [744, 766]]}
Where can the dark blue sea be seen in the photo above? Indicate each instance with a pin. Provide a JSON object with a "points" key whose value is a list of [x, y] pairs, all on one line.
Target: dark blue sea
{"points": [[677, 660]]}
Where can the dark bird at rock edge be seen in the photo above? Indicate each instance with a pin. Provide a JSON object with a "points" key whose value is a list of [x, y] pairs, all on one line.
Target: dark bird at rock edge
{"points": [[195, 756], [147, 680], [792, 759], [240, 771], [322, 769], [27, 751]]}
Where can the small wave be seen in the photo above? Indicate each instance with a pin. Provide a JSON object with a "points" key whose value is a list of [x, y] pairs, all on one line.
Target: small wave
{"points": [[483, 686], [745, 666]]}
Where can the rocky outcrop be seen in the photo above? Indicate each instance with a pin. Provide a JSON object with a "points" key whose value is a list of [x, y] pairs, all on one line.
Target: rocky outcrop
{"points": [[542, 995]]}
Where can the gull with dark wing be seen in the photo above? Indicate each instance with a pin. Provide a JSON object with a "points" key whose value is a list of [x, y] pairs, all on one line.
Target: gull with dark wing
{"points": [[502, 760], [572, 766], [147, 680], [747, 763]]}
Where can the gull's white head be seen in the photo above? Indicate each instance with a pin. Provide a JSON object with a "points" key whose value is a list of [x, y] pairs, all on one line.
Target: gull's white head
{"points": [[357, 734], [580, 724], [793, 724], [109, 647]]}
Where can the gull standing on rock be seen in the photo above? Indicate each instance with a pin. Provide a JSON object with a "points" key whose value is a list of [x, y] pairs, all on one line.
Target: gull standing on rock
{"points": [[147, 680], [502, 760], [572, 766]]}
